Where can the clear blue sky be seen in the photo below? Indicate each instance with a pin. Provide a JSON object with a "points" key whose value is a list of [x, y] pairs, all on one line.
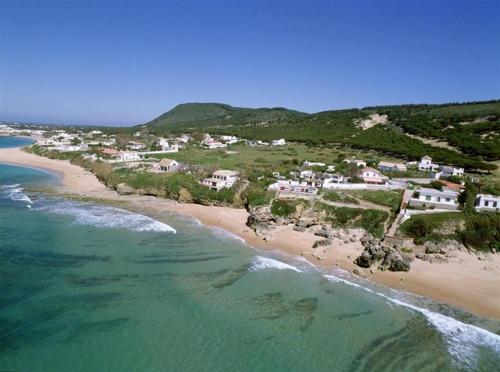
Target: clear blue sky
{"points": [[125, 62]]}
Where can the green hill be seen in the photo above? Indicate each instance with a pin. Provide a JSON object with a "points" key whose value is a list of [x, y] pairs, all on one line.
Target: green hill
{"points": [[202, 115], [472, 128]]}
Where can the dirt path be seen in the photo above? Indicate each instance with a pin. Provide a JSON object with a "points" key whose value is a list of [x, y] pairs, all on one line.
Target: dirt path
{"points": [[435, 142]]}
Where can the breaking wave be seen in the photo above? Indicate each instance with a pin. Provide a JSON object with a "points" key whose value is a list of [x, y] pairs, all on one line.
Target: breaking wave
{"points": [[462, 340], [224, 234], [16, 193], [259, 263], [104, 216]]}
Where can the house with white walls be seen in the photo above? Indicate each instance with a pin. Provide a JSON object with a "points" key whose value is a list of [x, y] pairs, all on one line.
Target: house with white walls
{"points": [[356, 162], [427, 165], [371, 175], [447, 171], [487, 203], [221, 179], [432, 198], [166, 165], [278, 142], [387, 166]]}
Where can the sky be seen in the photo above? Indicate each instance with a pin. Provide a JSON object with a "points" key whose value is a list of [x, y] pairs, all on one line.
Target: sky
{"points": [[113, 62]]}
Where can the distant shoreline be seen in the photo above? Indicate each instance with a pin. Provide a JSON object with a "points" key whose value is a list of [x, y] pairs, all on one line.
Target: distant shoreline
{"points": [[464, 283]]}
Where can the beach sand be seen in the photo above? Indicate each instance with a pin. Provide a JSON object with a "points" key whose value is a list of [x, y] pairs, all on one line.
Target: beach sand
{"points": [[470, 282]]}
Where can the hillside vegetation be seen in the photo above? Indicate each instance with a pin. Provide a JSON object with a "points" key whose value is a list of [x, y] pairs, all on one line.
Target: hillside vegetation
{"points": [[191, 116], [474, 128]]}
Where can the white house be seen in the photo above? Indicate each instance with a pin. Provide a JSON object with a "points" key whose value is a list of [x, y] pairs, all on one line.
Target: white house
{"points": [[487, 203], [184, 138], [210, 143], [221, 179], [132, 145], [426, 164], [294, 187], [166, 146], [333, 180], [166, 165], [307, 173], [388, 166], [130, 156], [229, 140], [432, 198], [357, 162], [371, 175], [313, 164], [278, 142], [447, 171]]}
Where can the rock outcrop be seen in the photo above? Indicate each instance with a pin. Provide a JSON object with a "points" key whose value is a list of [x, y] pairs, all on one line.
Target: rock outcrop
{"points": [[386, 257]]}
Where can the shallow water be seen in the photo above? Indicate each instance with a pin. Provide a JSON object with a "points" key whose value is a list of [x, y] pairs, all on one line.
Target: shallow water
{"points": [[86, 287], [9, 141]]}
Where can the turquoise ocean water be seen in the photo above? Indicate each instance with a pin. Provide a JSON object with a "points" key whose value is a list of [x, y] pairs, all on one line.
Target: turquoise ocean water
{"points": [[14, 142], [88, 287]]}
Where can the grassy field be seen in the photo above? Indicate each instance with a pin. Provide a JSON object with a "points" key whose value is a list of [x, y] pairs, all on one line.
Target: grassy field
{"points": [[240, 156], [391, 199]]}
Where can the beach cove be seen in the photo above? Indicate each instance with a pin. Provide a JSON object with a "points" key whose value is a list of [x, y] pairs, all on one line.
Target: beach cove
{"points": [[162, 291], [469, 282]]}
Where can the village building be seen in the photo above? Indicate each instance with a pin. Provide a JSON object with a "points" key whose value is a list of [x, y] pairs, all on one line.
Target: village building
{"points": [[356, 162], [211, 143], [229, 140], [313, 164], [294, 187], [307, 173], [130, 156], [432, 198], [427, 165], [221, 179], [166, 165], [132, 145], [278, 142], [166, 146], [109, 151], [387, 166], [448, 171], [333, 180], [184, 138], [371, 175], [487, 203]]}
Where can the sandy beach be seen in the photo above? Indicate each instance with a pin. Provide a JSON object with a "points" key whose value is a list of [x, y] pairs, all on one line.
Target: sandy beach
{"points": [[470, 282]]}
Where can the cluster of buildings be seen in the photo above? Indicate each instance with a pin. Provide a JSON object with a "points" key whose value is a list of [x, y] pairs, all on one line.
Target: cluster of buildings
{"points": [[427, 165]]}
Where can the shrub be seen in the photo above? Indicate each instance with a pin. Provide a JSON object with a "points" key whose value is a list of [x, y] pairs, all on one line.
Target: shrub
{"points": [[282, 208], [418, 228]]}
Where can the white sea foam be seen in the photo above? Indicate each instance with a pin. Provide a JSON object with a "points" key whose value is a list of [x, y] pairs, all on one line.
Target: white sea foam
{"points": [[224, 234], [462, 339], [259, 263], [16, 193], [105, 216]]}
